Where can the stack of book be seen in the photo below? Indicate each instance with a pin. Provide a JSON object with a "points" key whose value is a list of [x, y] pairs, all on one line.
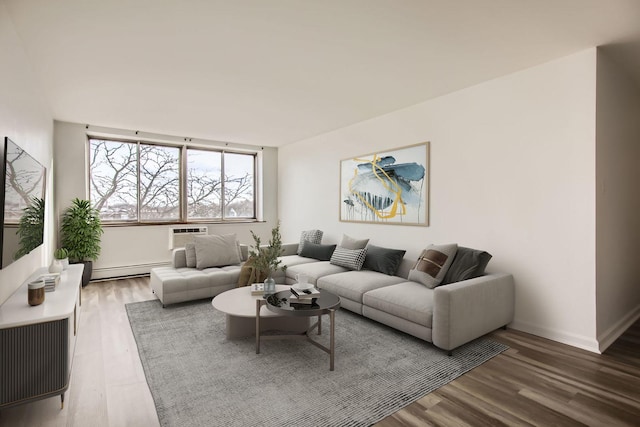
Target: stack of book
{"points": [[257, 289], [306, 296], [50, 280]]}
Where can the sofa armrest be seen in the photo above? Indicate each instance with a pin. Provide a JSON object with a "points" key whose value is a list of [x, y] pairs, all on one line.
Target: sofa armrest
{"points": [[179, 258], [467, 310]]}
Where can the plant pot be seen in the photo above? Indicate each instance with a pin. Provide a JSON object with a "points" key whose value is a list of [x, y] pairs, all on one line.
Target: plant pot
{"points": [[86, 273]]}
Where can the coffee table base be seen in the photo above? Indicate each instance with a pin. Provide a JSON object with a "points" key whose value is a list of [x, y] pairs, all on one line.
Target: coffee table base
{"points": [[305, 335], [241, 327]]}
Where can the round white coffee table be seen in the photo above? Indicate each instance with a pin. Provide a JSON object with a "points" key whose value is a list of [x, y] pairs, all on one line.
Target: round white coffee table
{"points": [[240, 308]]}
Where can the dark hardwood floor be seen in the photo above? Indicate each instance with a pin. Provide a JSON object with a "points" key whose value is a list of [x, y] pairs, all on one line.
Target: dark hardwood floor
{"points": [[536, 382]]}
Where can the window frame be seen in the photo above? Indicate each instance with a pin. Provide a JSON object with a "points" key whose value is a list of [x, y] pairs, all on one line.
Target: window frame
{"points": [[182, 184]]}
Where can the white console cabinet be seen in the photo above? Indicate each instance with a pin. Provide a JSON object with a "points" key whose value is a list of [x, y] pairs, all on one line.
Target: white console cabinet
{"points": [[37, 342]]}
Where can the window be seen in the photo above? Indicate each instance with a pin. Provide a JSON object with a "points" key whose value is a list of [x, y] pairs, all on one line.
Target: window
{"points": [[144, 182]]}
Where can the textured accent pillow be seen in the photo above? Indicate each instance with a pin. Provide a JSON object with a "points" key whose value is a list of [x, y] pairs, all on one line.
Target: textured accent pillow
{"points": [[467, 264], [190, 252], [351, 243], [383, 260], [353, 259], [316, 251], [216, 251], [313, 236], [433, 264]]}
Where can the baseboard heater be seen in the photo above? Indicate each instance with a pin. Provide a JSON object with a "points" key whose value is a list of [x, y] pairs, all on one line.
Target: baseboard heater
{"points": [[123, 271]]}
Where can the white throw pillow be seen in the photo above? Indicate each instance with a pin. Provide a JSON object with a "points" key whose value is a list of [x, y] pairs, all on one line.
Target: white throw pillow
{"points": [[353, 259], [351, 243], [217, 250], [433, 264], [190, 254]]}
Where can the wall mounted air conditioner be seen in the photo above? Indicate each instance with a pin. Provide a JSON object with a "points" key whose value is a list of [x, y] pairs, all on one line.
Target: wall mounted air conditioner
{"points": [[180, 236]]}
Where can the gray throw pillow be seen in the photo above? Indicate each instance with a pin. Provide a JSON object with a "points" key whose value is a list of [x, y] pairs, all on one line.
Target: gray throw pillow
{"points": [[433, 264], [216, 251], [316, 251], [383, 260], [313, 236], [353, 259], [190, 252], [351, 243], [467, 264]]}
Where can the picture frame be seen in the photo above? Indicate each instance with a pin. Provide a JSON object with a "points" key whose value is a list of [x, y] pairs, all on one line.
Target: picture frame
{"points": [[386, 187]]}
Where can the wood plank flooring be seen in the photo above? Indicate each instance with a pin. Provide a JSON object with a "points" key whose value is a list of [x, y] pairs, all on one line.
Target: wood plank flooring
{"points": [[536, 382]]}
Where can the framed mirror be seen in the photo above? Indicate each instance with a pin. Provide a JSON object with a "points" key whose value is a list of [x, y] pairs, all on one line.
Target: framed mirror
{"points": [[22, 201]]}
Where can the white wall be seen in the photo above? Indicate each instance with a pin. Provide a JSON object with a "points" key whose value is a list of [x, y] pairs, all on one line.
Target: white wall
{"points": [[618, 201], [136, 249], [512, 172], [26, 119]]}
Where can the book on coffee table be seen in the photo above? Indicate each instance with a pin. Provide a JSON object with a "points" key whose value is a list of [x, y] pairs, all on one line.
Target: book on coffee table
{"points": [[257, 289], [306, 293], [295, 300]]}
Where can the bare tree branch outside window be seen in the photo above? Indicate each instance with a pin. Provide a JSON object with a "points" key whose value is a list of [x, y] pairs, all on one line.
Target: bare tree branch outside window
{"points": [[128, 178]]}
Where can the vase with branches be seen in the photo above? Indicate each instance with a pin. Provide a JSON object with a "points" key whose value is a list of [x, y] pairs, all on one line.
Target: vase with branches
{"points": [[265, 258]]}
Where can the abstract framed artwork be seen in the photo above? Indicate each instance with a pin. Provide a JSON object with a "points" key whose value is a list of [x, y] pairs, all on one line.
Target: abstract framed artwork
{"points": [[386, 187]]}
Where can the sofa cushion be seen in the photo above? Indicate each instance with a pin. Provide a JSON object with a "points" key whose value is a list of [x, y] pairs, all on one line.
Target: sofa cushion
{"points": [[353, 284], [313, 236], [217, 251], [433, 264], [467, 264], [383, 260], [353, 259], [314, 270], [408, 300], [190, 253], [351, 243], [317, 251]]}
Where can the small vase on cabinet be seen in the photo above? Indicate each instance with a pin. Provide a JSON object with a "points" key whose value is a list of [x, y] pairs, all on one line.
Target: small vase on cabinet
{"points": [[56, 266]]}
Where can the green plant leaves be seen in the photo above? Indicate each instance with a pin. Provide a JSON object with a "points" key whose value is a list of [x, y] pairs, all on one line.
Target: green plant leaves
{"points": [[81, 229]]}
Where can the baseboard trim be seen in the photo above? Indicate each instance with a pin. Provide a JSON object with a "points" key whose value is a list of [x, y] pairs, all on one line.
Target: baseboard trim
{"points": [[608, 337], [574, 340], [125, 270]]}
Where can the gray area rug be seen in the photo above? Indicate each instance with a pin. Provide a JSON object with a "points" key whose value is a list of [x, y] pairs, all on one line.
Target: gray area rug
{"points": [[199, 378]]}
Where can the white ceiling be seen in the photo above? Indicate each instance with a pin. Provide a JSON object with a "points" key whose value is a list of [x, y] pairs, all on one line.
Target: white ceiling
{"points": [[272, 72]]}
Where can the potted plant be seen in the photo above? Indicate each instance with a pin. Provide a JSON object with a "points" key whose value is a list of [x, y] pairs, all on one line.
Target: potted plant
{"points": [[62, 255], [31, 227], [81, 230], [265, 258]]}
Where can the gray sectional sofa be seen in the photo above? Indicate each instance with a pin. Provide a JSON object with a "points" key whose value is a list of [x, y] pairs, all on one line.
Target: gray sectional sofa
{"points": [[447, 316]]}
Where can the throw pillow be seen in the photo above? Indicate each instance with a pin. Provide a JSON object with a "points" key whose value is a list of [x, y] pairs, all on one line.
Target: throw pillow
{"points": [[433, 264], [216, 251], [313, 236], [316, 251], [352, 259], [383, 260], [467, 264], [190, 252], [351, 243]]}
